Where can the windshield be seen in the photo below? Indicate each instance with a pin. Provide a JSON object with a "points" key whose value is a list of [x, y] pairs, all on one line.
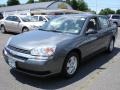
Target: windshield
{"points": [[29, 19], [72, 24]]}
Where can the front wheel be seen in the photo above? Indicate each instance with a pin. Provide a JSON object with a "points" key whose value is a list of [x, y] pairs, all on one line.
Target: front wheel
{"points": [[25, 29], [3, 30], [70, 65]]}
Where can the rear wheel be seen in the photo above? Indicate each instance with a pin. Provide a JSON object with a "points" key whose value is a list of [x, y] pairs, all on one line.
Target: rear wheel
{"points": [[70, 65], [115, 23], [25, 29], [3, 30], [111, 46]]}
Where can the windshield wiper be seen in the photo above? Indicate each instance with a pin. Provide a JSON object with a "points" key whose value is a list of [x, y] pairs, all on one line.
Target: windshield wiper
{"points": [[42, 29], [50, 30], [56, 31]]}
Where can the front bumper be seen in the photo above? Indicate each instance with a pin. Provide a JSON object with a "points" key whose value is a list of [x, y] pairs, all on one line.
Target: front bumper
{"points": [[29, 65]]}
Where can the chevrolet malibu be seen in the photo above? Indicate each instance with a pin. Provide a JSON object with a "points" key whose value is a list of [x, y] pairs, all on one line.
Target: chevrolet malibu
{"points": [[60, 45]]}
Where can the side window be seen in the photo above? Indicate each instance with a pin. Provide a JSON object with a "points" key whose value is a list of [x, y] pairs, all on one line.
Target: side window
{"points": [[36, 17], [104, 22], [40, 18], [115, 17], [92, 24], [16, 19], [9, 18]]}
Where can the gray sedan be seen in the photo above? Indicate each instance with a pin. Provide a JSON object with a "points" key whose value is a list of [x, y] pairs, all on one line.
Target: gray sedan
{"points": [[60, 45]]}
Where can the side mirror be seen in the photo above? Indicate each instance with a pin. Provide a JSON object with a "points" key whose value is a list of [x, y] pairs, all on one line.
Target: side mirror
{"points": [[91, 31]]}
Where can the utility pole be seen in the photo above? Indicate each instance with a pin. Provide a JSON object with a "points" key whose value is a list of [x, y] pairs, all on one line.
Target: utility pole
{"points": [[96, 6]]}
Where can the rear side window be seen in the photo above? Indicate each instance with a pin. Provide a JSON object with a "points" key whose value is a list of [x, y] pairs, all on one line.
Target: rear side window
{"points": [[104, 22], [41, 18], [115, 17], [16, 19]]}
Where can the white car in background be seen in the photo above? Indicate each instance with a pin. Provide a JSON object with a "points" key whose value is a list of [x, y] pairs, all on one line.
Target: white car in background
{"points": [[44, 18], [19, 24]]}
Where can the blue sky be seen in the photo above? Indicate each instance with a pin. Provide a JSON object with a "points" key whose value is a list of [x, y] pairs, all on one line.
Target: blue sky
{"points": [[113, 4]]}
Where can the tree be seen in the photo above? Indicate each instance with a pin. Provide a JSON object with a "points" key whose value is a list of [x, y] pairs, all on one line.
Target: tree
{"points": [[2, 5], [78, 5], [91, 11], [45, 0], [118, 11], [30, 1], [74, 4], [106, 11], [82, 5], [13, 2]]}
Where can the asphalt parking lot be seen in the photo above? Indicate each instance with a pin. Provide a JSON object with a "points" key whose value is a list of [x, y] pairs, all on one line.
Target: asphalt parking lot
{"points": [[100, 73]]}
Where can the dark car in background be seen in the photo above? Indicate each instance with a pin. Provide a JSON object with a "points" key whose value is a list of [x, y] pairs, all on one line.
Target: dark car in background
{"points": [[60, 45]]}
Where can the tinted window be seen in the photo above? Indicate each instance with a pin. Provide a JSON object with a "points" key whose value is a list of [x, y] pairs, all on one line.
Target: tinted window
{"points": [[9, 18], [29, 19], [92, 25], [116, 17], [40, 18], [36, 17], [104, 22], [16, 19]]}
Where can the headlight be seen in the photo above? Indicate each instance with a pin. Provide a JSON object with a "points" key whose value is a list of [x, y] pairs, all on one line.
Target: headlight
{"points": [[43, 51]]}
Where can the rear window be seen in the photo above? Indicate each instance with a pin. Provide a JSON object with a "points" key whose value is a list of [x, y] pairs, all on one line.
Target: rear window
{"points": [[115, 17]]}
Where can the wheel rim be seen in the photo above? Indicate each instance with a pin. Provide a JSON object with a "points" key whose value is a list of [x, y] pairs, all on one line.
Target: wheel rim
{"points": [[72, 65], [111, 45], [25, 30], [2, 29]]}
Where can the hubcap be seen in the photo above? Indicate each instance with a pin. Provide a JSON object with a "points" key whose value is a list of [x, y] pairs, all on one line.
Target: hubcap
{"points": [[111, 45], [72, 65], [25, 30]]}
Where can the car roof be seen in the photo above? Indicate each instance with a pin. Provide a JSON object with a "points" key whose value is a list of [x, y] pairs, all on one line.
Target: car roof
{"points": [[114, 14], [81, 15]]}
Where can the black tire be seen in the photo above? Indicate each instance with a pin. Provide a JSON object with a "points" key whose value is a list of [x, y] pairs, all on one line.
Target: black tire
{"points": [[111, 46], [25, 29], [67, 60], [115, 23], [3, 30]]}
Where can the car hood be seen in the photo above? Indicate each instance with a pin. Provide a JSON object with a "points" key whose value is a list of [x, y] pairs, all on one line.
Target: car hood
{"points": [[33, 39]]}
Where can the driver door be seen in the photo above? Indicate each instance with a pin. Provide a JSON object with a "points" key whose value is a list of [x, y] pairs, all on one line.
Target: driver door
{"points": [[91, 39], [16, 22]]}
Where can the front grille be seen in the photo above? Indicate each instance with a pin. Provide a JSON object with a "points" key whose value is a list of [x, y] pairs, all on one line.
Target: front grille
{"points": [[16, 56], [31, 71], [18, 49]]}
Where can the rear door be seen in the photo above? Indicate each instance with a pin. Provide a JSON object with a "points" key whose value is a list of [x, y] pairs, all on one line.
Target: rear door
{"points": [[105, 31], [15, 24]]}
